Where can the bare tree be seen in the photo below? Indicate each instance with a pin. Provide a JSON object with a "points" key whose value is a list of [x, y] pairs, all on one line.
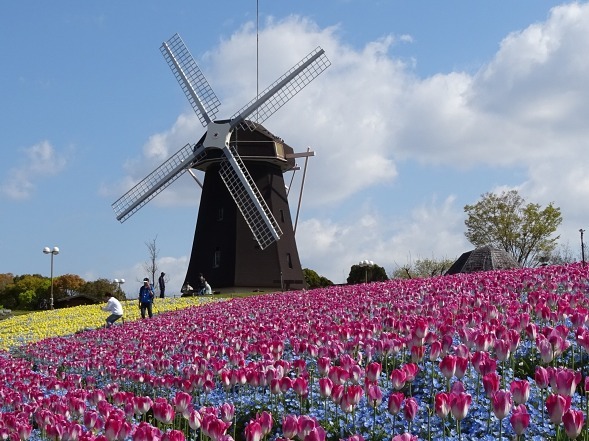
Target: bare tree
{"points": [[150, 266]]}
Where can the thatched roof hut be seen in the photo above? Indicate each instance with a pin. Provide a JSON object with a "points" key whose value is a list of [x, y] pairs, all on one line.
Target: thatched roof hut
{"points": [[485, 258]]}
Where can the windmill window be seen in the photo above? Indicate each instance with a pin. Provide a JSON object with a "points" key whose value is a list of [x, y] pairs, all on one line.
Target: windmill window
{"points": [[282, 216], [220, 214], [217, 258], [289, 260]]}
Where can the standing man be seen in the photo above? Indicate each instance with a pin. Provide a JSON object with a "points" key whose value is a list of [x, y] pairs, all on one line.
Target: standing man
{"points": [[146, 296], [114, 307], [162, 284]]}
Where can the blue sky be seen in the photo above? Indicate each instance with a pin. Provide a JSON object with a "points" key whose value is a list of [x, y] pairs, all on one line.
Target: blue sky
{"points": [[427, 105]]}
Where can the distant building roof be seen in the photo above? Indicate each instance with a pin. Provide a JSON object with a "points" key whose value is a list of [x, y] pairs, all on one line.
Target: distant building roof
{"points": [[485, 258]]}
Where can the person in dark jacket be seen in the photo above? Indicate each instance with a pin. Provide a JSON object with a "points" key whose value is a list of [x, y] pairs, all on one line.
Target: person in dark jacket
{"points": [[146, 296]]}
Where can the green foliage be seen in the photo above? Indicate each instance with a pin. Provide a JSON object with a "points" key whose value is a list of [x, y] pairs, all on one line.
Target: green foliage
{"points": [[35, 286], [314, 280], [422, 268], [371, 273], [505, 221], [97, 288]]}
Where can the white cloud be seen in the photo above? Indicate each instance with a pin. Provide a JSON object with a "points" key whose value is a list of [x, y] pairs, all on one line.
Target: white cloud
{"points": [[526, 108], [41, 161]]}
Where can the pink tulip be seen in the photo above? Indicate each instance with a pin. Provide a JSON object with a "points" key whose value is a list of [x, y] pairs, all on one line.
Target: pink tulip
{"points": [[448, 366], [491, 384], [417, 353], [323, 366], [394, 402], [398, 378], [373, 371], [541, 377], [566, 381], [194, 420], [442, 405], [173, 435], [520, 419], [353, 394], [573, 423], [182, 402], [301, 387], [502, 403], [459, 405], [112, 427], [502, 350], [227, 412], [374, 395], [253, 431], [520, 390], [557, 405], [411, 370], [290, 426], [337, 393], [461, 367], [435, 350], [405, 437], [266, 422], [325, 387], [316, 434], [163, 411], [305, 425], [410, 408]]}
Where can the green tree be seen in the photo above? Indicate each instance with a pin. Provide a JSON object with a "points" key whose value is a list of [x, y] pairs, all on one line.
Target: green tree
{"points": [[26, 292], [370, 273], [97, 288], [505, 221], [314, 280], [423, 268], [67, 284]]}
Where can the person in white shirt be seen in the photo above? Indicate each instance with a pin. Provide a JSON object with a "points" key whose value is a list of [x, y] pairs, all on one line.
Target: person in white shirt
{"points": [[114, 307]]}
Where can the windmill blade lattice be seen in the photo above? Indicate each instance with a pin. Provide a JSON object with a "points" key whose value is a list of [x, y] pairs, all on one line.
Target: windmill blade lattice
{"points": [[283, 89], [248, 199], [192, 81], [156, 181]]}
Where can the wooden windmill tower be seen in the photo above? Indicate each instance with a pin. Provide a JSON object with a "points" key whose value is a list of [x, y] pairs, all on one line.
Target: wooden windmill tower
{"points": [[244, 235]]}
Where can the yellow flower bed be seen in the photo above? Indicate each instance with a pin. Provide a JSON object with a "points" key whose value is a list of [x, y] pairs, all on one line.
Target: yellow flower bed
{"points": [[28, 328]]}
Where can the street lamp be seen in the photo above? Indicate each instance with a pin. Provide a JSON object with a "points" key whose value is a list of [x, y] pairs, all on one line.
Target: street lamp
{"points": [[582, 246], [53, 252], [119, 282], [365, 264]]}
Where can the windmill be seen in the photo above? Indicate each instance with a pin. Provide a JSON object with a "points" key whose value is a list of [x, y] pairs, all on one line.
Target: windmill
{"points": [[244, 165]]}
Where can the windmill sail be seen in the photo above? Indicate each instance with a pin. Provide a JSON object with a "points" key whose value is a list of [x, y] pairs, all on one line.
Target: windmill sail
{"points": [[156, 181], [248, 199], [283, 89], [192, 81]]}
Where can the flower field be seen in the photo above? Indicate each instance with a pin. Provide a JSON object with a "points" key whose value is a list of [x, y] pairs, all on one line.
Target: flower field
{"points": [[22, 329], [486, 356]]}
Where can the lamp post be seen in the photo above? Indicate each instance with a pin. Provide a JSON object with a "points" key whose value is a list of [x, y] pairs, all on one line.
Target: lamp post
{"points": [[365, 264], [582, 246], [119, 282], [53, 252]]}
